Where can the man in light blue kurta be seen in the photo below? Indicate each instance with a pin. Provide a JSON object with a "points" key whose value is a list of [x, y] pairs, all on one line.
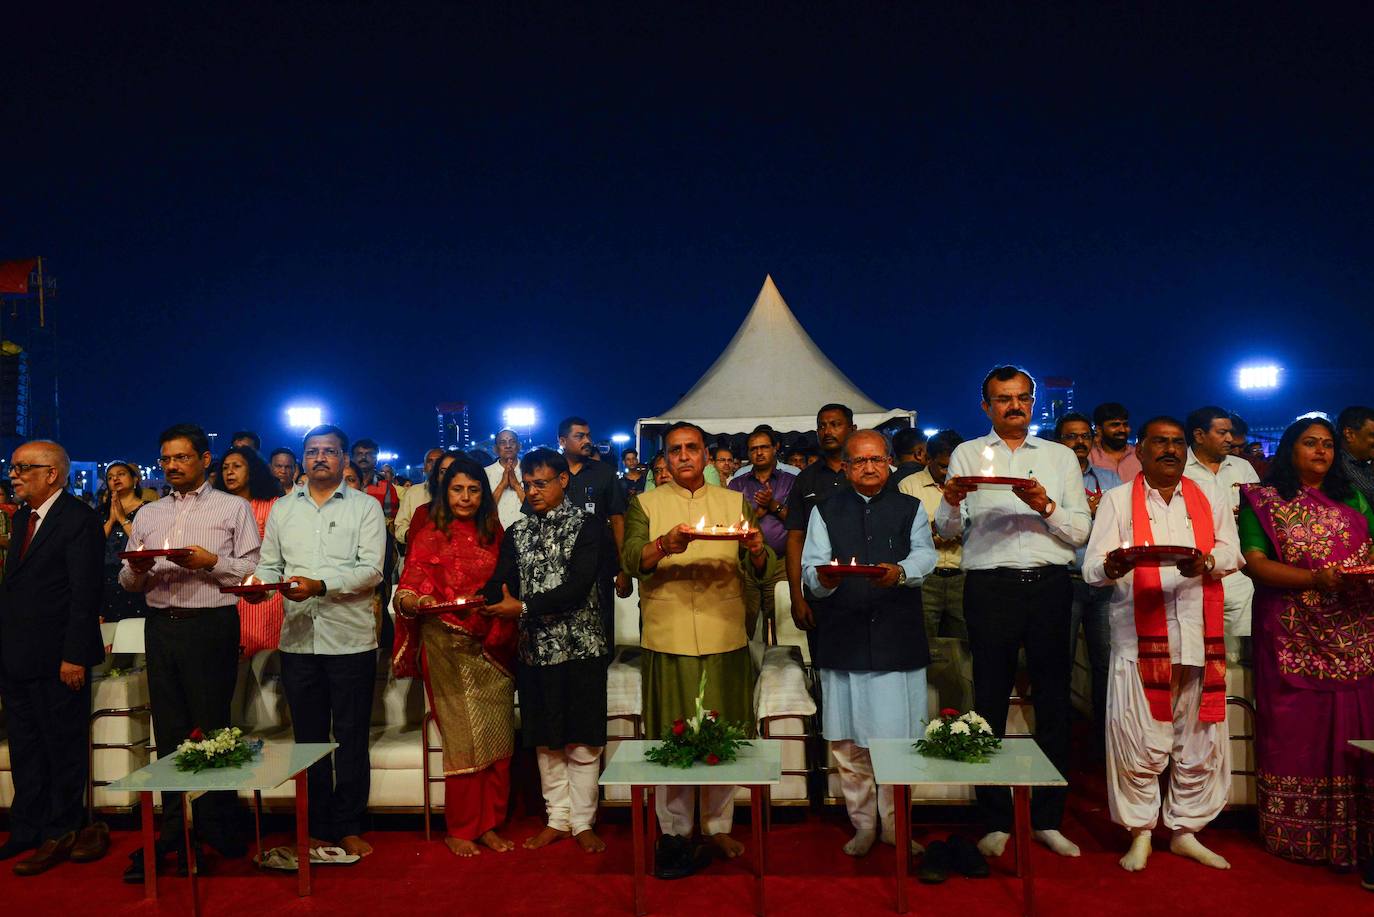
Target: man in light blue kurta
{"points": [[328, 539], [870, 645]]}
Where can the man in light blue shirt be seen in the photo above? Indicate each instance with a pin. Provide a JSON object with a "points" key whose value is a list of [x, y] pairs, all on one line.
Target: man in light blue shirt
{"points": [[870, 640], [328, 540], [1018, 544]]}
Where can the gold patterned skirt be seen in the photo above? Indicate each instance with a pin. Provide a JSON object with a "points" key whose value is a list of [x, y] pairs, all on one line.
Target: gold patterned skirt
{"points": [[472, 699]]}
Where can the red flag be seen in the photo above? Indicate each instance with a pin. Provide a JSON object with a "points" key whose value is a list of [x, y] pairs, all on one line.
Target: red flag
{"points": [[14, 275]]}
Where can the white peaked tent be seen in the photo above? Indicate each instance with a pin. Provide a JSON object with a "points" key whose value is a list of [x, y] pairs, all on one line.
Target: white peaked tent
{"points": [[771, 373]]}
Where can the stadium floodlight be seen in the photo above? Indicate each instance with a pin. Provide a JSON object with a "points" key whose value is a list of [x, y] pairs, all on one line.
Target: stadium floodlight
{"points": [[387, 456], [304, 417], [930, 431], [519, 417], [620, 439], [1258, 377]]}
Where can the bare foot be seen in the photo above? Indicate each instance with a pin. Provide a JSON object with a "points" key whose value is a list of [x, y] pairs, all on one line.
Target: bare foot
{"points": [[352, 844], [496, 842], [589, 842], [1186, 844], [860, 843], [461, 847], [1136, 857], [544, 838], [728, 846], [1058, 843], [993, 843]]}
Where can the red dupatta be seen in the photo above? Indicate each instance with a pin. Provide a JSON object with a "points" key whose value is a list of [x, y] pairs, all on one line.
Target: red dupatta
{"points": [[446, 567], [1152, 621]]}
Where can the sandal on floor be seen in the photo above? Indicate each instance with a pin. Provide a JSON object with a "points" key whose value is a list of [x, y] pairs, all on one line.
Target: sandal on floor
{"points": [[332, 856], [283, 858]]}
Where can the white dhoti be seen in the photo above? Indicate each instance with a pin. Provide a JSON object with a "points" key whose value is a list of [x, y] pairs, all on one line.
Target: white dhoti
{"points": [[676, 808], [1140, 747], [569, 776], [858, 707]]}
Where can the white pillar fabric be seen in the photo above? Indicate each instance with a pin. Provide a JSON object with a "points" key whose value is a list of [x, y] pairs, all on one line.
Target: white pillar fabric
{"points": [[1140, 747]]}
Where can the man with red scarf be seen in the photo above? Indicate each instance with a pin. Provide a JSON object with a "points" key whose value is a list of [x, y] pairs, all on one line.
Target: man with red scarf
{"points": [[1166, 697]]}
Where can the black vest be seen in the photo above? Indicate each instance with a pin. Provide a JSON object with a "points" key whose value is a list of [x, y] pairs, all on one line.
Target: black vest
{"points": [[860, 627]]}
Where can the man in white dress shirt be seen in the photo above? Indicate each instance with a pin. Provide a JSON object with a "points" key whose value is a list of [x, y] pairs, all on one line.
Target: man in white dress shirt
{"points": [[1018, 544], [504, 477], [1211, 464], [1166, 698]]}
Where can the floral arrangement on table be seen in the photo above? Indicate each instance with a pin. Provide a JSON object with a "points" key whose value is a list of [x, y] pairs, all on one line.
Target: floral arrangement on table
{"points": [[963, 737], [704, 737], [221, 748]]}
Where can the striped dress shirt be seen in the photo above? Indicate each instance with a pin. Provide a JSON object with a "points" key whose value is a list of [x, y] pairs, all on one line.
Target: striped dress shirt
{"points": [[219, 522]]}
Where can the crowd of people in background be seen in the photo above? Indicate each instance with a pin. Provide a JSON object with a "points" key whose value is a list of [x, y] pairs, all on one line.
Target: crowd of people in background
{"points": [[492, 573]]}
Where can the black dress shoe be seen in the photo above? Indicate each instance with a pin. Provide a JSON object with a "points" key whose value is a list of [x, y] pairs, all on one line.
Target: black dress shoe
{"points": [[936, 864], [13, 847], [1367, 880], [671, 857], [966, 859]]}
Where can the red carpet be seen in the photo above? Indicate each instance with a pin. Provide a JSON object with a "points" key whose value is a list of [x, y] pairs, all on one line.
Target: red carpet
{"points": [[808, 875]]}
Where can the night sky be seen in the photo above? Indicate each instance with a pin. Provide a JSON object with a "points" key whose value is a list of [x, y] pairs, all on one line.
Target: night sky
{"points": [[378, 207]]}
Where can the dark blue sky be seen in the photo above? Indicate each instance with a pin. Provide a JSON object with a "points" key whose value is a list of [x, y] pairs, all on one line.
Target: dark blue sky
{"points": [[384, 206]]}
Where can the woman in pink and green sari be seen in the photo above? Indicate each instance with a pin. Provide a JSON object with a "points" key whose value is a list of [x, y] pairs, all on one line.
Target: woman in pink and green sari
{"points": [[1313, 650]]}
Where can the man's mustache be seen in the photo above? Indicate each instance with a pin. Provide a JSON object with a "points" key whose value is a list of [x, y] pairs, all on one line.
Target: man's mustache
{"points": [[1014, 414], [319, 465]]}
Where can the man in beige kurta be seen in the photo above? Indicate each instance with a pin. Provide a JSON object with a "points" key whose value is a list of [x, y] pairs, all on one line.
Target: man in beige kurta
{"points": [[692, 597]]}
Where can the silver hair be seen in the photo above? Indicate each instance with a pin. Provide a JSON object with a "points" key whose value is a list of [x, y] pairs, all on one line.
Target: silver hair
{"points": [[53, 454]]}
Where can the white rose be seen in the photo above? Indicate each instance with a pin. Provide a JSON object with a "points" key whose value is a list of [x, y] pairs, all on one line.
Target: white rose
{"points": [[959, 728]]}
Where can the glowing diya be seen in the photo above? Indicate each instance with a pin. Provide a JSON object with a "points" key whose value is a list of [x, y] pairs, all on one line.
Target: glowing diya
{"points": [[736, 531], [854, 568]]}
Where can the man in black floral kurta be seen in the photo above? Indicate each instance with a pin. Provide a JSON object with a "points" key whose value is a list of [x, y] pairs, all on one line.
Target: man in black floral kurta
{"points": [[546, 576]]}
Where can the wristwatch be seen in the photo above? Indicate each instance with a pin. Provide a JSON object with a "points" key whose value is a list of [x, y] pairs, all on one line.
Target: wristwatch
{"points": [[1049, 510], [901, 576], [1209, 563]]}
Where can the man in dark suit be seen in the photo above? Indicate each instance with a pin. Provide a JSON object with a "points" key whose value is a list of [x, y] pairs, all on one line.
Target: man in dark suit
{"points": [[49, 639]]}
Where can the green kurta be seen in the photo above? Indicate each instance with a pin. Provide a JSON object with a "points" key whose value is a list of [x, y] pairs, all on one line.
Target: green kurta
{"points": [[671, 683]]}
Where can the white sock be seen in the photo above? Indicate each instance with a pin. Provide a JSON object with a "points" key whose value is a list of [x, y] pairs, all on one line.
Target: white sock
{"points": [[1135, 858], [1058, 843], [861, 842], [993, 843], [1186, 844]]}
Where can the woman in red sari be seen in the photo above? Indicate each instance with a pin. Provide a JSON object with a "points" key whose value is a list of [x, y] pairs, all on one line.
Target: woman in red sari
{"points": [[1313, 650], [243, 473], [467, 660]]}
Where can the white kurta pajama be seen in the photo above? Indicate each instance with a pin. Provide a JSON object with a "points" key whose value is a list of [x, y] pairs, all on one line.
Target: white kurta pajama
{"points": [[1140, 747]]}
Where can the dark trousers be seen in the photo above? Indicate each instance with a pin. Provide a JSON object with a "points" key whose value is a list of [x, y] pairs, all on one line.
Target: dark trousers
{"points": [[49, 727], [192, 669], [334, 694], [1090, 609], [1004, 615]]}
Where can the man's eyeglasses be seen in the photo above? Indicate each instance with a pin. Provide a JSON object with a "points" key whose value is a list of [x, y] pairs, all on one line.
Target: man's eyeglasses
{"points": [[867, 461], [327, 452], [25, 467], [1076, 437], [1004, 400], [180, 458], [537, 484]]}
